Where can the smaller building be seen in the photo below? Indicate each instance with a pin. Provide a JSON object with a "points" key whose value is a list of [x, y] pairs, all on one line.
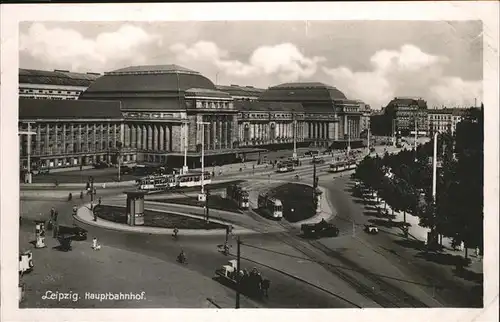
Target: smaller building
{"points": [[444, 120], [55, 85], [409, 113], [69, 133], [242, 93]]}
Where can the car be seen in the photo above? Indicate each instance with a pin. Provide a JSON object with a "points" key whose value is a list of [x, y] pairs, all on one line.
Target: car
{"points": [[126, 170], [371, 229], [317, 160], [25, 262]]}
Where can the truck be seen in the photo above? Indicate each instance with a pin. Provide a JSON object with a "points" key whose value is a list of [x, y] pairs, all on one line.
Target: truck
{"points": [[238, 194], [320, 229], [251, 283]]}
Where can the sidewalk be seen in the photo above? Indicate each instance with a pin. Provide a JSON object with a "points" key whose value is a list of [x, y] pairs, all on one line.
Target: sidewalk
{"points": [[85, 215], [417, 232]]}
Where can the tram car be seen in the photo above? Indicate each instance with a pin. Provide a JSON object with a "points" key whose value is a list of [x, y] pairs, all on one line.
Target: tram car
{"points": [[342, 166], [192, 179], [270, 206], [156, 183], [239, 195], [285, 166]]}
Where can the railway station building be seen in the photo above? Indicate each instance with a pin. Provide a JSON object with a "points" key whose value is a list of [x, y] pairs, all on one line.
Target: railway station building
{"points": [[168, 112]]}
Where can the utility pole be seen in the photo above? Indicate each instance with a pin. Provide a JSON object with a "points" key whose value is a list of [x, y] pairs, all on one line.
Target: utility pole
{"points": [[294, 156], [119, 159], [348, 137], [434, 181], [368, 138], [203, 157], [185, 134], [207, 217], [91, 193], [416, 138], [238, 255], [28, 133]]}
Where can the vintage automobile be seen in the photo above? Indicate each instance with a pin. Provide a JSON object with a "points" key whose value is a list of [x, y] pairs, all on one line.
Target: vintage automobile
{"points": [[321, 229], [25, 262], [371, 229], [252, 283]]}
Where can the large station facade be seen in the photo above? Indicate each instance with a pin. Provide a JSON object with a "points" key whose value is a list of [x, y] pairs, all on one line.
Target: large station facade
{"points": [[167, 113]]}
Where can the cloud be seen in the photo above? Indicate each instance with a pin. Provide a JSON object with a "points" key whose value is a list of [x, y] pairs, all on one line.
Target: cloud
{"points": [[405, 72], [284, 60], [66, 47]]}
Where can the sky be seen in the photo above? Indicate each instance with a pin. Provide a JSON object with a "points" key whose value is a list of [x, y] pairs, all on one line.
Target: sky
{"points": [[374, 61]]}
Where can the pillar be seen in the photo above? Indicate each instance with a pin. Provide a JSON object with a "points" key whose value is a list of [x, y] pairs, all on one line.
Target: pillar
{"points": [[211, 139], [38, 138], [156, 136], [138, 129], [150, 137], [133, 136], [144, 137], [161, 137]]}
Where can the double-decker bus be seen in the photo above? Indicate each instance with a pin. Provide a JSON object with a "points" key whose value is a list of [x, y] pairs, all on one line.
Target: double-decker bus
{"points": [[285, 166], [270, 206]]}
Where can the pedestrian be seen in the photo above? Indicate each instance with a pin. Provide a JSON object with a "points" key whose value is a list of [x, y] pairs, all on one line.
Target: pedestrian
{"points": [[477, 252], [95, 216], [462, 246], [99, 201], [81, 194]]}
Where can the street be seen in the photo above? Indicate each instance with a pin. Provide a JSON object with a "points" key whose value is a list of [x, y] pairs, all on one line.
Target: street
{"points": [[352, 270]]}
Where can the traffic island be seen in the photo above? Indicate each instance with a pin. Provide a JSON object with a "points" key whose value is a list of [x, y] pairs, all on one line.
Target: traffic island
{"points": [[156, 219], [213, 202], [297, 199]]}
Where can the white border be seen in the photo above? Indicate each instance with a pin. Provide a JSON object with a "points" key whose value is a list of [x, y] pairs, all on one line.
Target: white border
{"points": [[12, 14]]}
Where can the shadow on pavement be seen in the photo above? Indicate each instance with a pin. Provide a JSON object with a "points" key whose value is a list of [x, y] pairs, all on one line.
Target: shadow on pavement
{"points": [[468, 275], [412, 243], [387, 223], [443, 258], [371, 213], [62, 249]]}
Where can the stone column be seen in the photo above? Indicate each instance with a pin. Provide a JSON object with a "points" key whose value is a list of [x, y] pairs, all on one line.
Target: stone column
{"points": [[156, 142], [133, 136], [139, 137], [126, 142], [211, 138], [38, 138], [161, 135], [144, 137], [150, 138]]}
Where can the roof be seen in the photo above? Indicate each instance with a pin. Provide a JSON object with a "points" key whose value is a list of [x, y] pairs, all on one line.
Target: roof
{"points": [[204, 92], [302, 92], [454, 111], [236, 90], [153, 104], [267, 106], [408, 101], [57, 77], [141, 79], [70, 109], [152, 69]]}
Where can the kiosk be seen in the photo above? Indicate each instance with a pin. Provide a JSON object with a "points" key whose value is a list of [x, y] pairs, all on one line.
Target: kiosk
{"points": [[317, 194], [135, 208], [40, 233]]}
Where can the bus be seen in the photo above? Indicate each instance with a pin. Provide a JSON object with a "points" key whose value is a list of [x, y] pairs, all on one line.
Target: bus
{"points": [[270, 206], [285, 166]]}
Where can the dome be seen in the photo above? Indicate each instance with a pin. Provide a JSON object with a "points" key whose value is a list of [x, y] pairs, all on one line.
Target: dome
{"points": [[151, 79], [302, 92], [151, 87]]}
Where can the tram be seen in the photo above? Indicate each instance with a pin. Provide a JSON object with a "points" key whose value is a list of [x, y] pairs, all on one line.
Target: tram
{"points": [[270, 206]]}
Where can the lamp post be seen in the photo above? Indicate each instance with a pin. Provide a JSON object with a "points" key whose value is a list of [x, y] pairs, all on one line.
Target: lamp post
{"points": [[29, 133], [416, 137], [202, 157], [368, 137], [348, 137]]}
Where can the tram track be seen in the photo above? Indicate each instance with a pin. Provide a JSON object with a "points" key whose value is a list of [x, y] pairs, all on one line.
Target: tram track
{"points": [[366, 284]]}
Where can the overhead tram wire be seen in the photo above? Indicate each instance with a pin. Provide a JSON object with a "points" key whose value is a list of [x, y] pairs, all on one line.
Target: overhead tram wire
{"points": [[298, 279], [325, 263]]}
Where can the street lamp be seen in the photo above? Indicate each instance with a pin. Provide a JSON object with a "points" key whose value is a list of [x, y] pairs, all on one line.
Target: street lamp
{"points": [[29, 133], [348, 137], [201, 197]]}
